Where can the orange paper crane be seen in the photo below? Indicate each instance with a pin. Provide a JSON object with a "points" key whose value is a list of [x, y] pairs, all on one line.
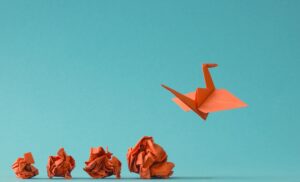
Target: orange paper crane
{"points": [[206, 100]]}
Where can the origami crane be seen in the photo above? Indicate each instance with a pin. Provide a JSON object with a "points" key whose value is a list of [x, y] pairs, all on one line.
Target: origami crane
{"points": [[23, 167], [206, 100]]}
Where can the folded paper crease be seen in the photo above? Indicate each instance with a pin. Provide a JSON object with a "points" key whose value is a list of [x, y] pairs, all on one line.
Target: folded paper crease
{"points": [[102, 164], [60, 165], [149, 160], [23, 167]]}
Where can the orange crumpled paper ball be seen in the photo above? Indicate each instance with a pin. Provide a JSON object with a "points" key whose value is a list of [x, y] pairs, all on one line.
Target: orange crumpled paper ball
{"points": [[102, 164], [60, 165], [23, 167], [149, 160]]}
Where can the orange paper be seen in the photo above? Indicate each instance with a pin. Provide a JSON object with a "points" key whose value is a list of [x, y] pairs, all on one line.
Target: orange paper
{"points": [[60, 165], [23, 167], [149, 160], [102, 164], [206, 100]]}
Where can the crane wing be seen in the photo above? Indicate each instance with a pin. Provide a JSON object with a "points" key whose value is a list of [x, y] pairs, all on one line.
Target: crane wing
{"points": [[220, 100], [181, 104]]}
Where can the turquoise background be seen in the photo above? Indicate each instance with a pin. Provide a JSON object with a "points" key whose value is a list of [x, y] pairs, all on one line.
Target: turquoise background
{"points": [[79, 74]]}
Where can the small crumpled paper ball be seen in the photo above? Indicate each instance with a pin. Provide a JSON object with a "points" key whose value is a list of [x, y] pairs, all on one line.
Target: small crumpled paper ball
{"points": [[149, 160], [60, 165], [102, 164], [23, 167]]}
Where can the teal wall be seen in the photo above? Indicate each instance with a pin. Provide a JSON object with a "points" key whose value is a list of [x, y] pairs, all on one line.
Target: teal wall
{"points": [[86, 73]]}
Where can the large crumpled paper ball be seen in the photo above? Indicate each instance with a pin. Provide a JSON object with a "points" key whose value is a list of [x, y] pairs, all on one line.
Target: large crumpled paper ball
{"points": [[60, 165], [149, 160], [23, 167], [102, 164]]}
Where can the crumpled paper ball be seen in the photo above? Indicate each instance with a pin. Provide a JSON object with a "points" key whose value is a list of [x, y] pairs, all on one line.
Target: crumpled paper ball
{"points": [[102, 164], [23, 167], [149, 160], [60, 165]]}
